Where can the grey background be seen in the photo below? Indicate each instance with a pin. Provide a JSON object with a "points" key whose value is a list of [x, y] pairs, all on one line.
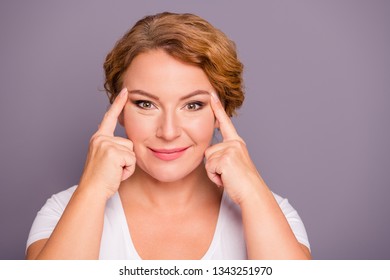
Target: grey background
{"points": [[315, 117]]}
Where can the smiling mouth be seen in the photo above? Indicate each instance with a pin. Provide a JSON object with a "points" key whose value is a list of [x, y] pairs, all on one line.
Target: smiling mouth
{"points": [[168, 154]]}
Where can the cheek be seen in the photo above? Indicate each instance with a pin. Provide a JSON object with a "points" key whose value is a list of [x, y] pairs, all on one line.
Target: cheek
{"points": [[137, 126], [198, 126], [201, 127]]}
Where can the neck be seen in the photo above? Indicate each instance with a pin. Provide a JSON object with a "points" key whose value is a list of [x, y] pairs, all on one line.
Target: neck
{"points": [[178, 194]]}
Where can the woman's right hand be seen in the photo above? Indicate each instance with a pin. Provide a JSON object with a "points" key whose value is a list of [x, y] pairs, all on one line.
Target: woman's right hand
{"points": [[110, 159]]}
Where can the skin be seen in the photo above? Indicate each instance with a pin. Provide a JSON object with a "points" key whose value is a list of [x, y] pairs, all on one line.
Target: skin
{"points": [[79, 230], [229, 165], [166, 108], [180, 193]]}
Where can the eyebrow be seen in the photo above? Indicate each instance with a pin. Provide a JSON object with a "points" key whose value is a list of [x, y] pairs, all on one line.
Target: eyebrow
{"points": [[191, 94]]}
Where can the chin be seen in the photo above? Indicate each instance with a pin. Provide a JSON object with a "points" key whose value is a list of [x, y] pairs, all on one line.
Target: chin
{"points": [[170, 173], [167, 178]]}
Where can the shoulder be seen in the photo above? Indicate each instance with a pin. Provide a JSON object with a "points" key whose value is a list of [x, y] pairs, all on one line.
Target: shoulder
{"points": [[293, 219], [47, 218], [284, 204], [56, 204], [60, 200]]}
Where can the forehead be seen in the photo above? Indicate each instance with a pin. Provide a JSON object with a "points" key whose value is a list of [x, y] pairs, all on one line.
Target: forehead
{"points": [[161, 74]]}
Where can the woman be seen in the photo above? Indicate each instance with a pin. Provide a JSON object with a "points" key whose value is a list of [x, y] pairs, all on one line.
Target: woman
{"points": [[166, 192]]}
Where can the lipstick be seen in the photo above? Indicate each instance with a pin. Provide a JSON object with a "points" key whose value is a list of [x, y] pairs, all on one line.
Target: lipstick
{"points": [[168, 154]]}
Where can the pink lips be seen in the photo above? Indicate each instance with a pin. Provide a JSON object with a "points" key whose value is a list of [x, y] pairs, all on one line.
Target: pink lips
{"points": [[168, 154]]}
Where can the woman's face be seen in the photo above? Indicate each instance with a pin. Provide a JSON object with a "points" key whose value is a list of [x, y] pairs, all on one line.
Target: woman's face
{"points": [[168, 116]]}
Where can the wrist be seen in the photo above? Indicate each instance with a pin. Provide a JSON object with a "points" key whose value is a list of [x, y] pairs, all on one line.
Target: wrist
{"points": [[256, 191], [93, 191]]}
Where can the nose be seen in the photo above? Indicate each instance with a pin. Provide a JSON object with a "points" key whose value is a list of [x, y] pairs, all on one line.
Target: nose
{"points": [[169, 127]]}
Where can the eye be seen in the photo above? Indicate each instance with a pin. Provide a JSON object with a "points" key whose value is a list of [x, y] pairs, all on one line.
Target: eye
{"points": [[194, 106], [144, 104]]}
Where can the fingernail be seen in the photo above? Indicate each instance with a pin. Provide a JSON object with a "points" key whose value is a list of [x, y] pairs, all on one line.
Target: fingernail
{"points": [[123, 92]]}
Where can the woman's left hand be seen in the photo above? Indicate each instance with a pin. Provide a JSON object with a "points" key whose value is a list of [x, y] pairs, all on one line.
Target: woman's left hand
{"points": [[228, 163]]}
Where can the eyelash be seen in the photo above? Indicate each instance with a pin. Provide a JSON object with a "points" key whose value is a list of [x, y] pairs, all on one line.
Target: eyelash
{"points": [[198, 105], [141, 104]]}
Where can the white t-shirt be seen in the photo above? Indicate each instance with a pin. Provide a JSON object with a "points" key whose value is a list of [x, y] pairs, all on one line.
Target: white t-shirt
{"points": [[228, 240]]}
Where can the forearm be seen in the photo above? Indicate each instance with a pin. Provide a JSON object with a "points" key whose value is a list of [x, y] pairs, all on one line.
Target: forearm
{"points": [[267, 232], [110, 161], [78, 232]]}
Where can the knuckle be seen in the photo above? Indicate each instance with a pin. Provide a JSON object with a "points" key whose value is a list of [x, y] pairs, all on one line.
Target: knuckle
{"points": [[242, 142], [95, 139], [236, 144], [208, 166], [110, 151], [226, 157], [130, 144], [131, 158], [229, 157], [107, 114], [239, 143]]}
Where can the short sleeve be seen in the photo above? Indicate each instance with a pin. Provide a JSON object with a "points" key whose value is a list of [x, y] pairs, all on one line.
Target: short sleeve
{"points": [[49, 215], [294, 220]]}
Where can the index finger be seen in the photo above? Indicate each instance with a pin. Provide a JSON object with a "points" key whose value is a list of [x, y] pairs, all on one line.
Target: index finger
{"points": [[110, 119], [226, 126]]}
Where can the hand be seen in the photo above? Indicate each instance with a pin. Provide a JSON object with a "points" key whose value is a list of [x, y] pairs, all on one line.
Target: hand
{"points": [[110, 159], [228, 163]]}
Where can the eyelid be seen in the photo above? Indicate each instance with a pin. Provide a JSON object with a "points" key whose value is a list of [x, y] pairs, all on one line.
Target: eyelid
{"points": [[140, 101], [198, 103]]}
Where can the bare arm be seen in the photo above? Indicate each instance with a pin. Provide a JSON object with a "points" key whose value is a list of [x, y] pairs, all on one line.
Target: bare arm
{"points": [[78, 232], [110, 160], [267, 232]]}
